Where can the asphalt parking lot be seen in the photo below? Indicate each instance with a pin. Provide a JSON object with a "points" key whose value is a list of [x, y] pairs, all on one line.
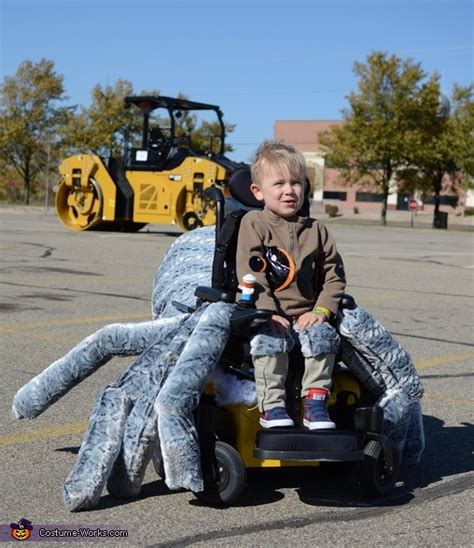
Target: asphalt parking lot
{"points": [[57, 286]]}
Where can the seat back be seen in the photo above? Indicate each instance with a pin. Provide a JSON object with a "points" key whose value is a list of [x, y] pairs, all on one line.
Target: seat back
{"points": [[224, 268], [239, 188]]}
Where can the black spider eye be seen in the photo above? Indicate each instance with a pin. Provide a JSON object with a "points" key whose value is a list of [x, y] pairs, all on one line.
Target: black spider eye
{"points": [[257, 264]]}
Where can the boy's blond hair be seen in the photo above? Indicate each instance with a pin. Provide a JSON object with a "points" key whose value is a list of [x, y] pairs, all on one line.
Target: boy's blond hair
{"points": [[277, 154]]}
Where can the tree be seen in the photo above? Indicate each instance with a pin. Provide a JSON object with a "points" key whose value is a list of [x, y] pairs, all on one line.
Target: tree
{"points": [[205, 134], [463, 130], [29, 118], [104, 126], [381, 124], [445, 151], [462, 134], [11, 185]]}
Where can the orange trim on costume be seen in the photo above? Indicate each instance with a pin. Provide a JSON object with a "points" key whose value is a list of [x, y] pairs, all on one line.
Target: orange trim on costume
{"points": [[291, 266], [264, 267]]}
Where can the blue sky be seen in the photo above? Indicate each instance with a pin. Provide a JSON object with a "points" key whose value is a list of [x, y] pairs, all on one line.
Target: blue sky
{"points": [[260, 60]]}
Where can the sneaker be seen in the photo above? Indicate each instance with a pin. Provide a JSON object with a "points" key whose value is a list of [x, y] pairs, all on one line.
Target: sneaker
{"points": [[316, 416], [275, 417]]}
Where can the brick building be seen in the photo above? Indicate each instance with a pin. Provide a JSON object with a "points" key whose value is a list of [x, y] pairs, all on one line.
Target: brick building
{"points": [[329, 189]]}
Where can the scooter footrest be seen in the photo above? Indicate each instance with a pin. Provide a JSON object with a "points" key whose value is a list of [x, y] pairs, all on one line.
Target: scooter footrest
{"points": [[302, 444]]}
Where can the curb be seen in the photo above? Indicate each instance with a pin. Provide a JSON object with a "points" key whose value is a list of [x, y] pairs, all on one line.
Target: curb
{"points": [[393, 223]]}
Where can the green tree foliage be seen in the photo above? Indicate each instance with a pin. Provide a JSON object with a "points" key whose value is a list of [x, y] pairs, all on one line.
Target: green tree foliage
{"points": [[11, 185], [207, 136], [30, 119], [382, 123], [104, 125], [444, 151], [36, 133], [462, 120], [203, 134]]}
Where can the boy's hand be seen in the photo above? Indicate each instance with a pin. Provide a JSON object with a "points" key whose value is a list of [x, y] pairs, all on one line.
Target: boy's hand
{"points": [[309, 319], [279, 325]]}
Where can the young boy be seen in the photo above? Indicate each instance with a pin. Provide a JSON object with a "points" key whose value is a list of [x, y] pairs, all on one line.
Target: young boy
{"points": [[300, 277]]}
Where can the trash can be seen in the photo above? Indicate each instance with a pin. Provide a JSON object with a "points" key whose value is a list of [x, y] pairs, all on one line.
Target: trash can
{"points": [[441, 220]]}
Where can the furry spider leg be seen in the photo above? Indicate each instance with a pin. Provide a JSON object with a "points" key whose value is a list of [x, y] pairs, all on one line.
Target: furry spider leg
{"points": [[86, 357], [107, 429], [180, 396], [120, 438], [380, 363]]}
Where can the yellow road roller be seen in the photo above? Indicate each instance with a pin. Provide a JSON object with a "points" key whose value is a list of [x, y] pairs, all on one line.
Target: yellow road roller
{"points": [[160, 180]]}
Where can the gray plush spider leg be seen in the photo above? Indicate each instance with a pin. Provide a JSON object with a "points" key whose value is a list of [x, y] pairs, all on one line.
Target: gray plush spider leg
{"points": [[362, 370], [404, 422], [381, 350], [186, 264], [141, 429], [267, 343], [377, 354], [95, 350], [318, 339], [415, 437], [99, 449], [180, 396], [397, 408], [107, 425], [138, 374]]}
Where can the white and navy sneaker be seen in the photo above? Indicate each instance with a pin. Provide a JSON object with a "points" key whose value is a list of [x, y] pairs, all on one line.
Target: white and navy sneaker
{"points": [[316, 416], [276, 417]]}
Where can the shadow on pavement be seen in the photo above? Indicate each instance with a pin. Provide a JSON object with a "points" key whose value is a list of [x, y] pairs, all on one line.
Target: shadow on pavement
{"points": [[153, 489], [448, 452]]}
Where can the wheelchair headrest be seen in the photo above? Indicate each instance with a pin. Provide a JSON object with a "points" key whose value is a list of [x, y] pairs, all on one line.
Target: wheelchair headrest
{"points": [[239, 188]]}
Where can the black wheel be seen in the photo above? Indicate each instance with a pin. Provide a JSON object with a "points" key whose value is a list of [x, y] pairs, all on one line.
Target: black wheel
{"points": [[191, 221], [377, 477], [224, 475]]}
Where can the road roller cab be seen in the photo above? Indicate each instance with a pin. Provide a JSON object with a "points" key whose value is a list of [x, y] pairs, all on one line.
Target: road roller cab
{"points": [[160, 179]]}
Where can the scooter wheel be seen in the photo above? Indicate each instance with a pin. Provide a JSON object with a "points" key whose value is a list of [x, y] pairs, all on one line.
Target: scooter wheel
{"points": [[377, 476], [224, 476]]}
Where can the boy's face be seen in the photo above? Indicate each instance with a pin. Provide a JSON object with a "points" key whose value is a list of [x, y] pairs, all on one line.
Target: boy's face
{"points": [[282, 193]]}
